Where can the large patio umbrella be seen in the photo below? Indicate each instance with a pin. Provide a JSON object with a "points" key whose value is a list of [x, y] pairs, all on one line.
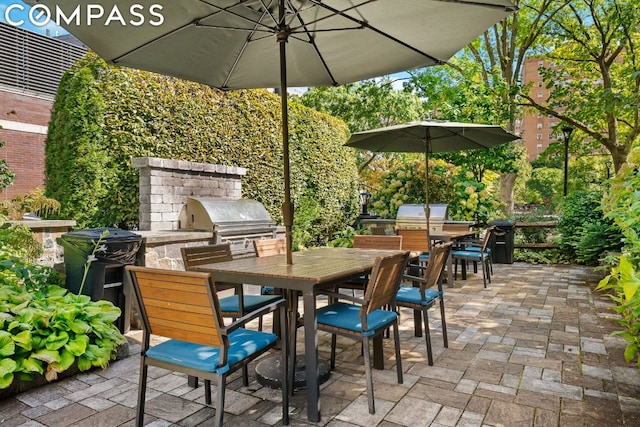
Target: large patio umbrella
{"points": [[430, 136], [239, 44]]}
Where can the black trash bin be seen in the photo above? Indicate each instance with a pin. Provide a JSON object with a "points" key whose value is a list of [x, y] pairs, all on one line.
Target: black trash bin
{"points": [[105, 275], [503, 242]]}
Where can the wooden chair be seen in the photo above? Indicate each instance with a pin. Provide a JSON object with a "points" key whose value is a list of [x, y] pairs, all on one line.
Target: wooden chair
{"points": [[366, 317], [364, 241], [481, 256], [426, 289], [269, 247], [184, 307], [414, 239], [233, 306]]}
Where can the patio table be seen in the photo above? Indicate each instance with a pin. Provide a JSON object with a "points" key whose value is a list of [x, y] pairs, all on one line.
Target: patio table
{"points": [[311, 272], [451, 236]]}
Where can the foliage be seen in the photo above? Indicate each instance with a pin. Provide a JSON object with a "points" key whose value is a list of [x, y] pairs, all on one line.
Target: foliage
{"points": [[585, 231], [595, 55], [621, 204], [624, 283], [544, 186], [344, 238], [366, 105], [44, 329], [535, 234], [103, 116], [6, 176], [34, 202], [474, 201], [18, 241], [404, 182]]}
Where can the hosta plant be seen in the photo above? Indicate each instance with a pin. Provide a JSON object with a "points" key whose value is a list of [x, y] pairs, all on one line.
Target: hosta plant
{"points": [[44, 329]]}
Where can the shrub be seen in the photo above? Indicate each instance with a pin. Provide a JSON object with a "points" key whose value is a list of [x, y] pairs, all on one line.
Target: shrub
{"points": [[44, 329], [103, 116], [586, 233]]}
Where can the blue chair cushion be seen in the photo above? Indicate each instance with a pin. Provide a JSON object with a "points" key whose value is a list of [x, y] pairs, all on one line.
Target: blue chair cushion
{"points": [[477, 249], [268, 290], [470, 254], [251, 302], [347, 316], [411, 295], [423, 257], [243, 343]]}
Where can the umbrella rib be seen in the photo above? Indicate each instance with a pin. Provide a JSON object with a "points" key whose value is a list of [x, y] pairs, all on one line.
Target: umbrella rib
{"points": [[378, 31], [473, 3], [237, 15], [312, 42], [334, 13]]}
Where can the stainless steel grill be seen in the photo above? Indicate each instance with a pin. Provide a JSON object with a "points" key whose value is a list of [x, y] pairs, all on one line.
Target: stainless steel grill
{"points": [[237, 221], [413, 216]]}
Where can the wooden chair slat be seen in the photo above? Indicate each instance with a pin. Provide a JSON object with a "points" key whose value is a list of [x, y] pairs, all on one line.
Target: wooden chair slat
{"points": [[364, 241], [270, 247], [414, 239]]}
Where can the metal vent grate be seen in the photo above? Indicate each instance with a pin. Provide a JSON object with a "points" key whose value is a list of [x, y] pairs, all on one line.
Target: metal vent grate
{"points": [[32, 61]]}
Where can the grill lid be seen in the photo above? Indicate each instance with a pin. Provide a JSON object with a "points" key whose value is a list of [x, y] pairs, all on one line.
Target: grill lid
{"points": [[211, 213], [412, 216]]}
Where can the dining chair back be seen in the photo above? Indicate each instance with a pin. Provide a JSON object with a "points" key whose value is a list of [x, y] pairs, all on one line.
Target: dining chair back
{"points": [[481, 256], [269, 247], [194, 256], [414, 239], [376, 241], [427, 287], [233, 306], [369, 316], [184, 307]]}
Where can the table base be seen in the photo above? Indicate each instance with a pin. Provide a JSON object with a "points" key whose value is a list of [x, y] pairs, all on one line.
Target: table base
{"points": [[269, 372]]}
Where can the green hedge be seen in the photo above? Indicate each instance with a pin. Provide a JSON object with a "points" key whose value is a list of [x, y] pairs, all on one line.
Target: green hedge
{"points": [[103, 116]]}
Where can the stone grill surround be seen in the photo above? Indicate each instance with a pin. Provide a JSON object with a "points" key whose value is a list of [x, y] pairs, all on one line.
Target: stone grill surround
{"points": [[165, 185]]}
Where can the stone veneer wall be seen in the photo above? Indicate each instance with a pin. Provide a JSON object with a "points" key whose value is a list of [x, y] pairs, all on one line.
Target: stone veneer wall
{"points": [[46, 232], [166, 184]]}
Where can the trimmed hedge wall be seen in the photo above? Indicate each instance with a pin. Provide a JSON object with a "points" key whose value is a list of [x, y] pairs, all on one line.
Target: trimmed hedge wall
{"points": [[103, 116]]}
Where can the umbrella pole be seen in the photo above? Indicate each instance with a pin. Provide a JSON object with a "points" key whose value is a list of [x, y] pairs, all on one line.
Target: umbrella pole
{"points": [[287, 206], [427, 209]]}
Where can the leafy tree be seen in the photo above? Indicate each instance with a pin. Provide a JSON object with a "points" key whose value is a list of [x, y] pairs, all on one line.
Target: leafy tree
{"points": [[366, 105], [596, 59], [6, 176], [482, 83]]}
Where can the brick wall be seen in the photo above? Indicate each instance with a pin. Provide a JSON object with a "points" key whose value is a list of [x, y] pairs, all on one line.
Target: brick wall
{"points": [[24, 118]]}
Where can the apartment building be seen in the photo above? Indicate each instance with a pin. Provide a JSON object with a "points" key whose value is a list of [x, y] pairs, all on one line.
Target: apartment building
{"points": [[31, 66]]}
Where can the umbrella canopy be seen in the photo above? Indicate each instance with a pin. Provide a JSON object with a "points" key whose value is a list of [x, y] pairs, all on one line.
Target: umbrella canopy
{"points": [[238, 44], [430, 136]]}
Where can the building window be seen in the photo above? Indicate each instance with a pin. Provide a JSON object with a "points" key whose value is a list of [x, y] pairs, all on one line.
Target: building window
{"points": [[539, 146], [539, 84], [540, 63], [539, 125], [539, 137], [539, 94]]}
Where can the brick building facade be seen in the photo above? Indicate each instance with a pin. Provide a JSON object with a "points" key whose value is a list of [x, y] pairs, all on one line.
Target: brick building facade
{"points": [[31, 66]]}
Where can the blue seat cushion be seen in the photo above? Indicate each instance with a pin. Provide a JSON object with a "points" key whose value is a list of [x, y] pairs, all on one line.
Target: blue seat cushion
{"points": [[470, 255], [243, 343], [250, 302], [477, 249], [347, 316], [411, 295], [423, 257]]}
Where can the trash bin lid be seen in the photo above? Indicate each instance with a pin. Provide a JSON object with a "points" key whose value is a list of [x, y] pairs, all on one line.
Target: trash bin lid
{"points": [[93, 234]]}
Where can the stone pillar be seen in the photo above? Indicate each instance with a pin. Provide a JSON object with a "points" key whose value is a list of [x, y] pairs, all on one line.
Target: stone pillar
{"points": [[166, 184]]}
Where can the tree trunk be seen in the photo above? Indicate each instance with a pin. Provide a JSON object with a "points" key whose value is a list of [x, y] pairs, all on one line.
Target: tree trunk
{"points": [[507, 181]]}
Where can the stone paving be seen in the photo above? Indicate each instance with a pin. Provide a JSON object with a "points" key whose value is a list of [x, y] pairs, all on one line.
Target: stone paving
{"points": [[533, 349]]}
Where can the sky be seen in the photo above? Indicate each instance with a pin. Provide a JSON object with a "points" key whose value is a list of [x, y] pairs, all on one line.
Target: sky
{"points": [[14, 11]]}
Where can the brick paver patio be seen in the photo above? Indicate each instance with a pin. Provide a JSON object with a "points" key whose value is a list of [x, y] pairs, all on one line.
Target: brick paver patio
{"points": [[533, 349]]}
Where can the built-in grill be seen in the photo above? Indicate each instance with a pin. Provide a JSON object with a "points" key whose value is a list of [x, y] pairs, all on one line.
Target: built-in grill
{"points": [[236, 221], [413, 216]]}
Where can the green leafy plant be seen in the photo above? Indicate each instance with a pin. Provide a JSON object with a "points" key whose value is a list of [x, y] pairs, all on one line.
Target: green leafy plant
{"points": [[34, 202], [44, 329], [6, 176], [624, 281]]}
